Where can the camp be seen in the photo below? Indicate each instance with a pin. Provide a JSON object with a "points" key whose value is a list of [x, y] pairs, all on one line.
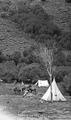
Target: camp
{"points": [[53, 93], [42, 83]]}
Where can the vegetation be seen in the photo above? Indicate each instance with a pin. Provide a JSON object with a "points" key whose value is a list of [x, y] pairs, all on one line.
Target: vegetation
{"points": [[34, 21], [39, 26], [59, 58], [68, 60], [8, 71], [31, 73], [65, 40], [16, 56]]}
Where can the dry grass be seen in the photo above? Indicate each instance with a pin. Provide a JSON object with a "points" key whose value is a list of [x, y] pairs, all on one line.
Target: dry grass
{"points": [[30, 106]]}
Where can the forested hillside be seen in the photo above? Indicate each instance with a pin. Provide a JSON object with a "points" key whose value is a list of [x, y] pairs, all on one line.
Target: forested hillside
{"points": [[23, 24]]}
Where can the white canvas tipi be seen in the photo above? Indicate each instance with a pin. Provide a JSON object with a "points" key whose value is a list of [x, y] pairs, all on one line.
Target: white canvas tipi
{"points": [[56, 94], [42, 83]]}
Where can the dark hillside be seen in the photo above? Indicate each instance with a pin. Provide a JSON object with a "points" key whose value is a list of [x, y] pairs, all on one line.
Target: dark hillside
{"points": [[61, 12], [11, 39]]}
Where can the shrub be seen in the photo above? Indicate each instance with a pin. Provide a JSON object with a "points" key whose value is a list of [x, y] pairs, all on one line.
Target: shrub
{"points": [[19, 65], [59, 58], [3, 58], [60, 76], [28, 51], [16, 56], [65, 40], [31, 59], [8, 71], [68, 60], [67, 81], [31, 73], [23, 6], [29, 56], [5, 5], [69, 90]]}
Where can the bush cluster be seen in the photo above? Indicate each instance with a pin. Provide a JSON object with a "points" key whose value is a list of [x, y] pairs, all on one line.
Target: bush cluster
{"points": [[26, 68], [68, 60], [65, 40], [59, 58]]}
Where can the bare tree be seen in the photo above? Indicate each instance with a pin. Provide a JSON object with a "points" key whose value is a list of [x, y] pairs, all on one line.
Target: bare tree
{"points": [[47, 57]]}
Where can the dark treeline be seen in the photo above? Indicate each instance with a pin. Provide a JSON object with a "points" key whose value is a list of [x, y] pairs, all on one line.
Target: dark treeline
{"points": [[29, 68]]}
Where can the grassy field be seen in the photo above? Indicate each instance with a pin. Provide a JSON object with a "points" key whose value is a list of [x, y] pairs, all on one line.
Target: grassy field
{"points": [[30, 107]]}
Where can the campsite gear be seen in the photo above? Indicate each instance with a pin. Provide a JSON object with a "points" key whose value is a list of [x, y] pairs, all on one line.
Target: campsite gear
{"points": [[29, 89], [25, 93], [42, 83], [54, 95], [17, 90]]}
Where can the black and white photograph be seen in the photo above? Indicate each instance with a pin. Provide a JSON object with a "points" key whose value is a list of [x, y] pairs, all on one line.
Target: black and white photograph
{"points": [[35, 59]]}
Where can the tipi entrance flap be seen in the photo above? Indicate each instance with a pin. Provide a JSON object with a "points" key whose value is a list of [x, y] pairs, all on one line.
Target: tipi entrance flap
{"points": [[56, 94]]}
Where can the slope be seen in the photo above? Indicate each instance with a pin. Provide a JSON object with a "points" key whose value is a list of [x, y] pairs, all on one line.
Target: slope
{"points": [[12, 39]]}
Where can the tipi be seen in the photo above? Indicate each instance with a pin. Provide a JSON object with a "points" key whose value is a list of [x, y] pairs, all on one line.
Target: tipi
{"points": [[53, 93], [42, 83]]}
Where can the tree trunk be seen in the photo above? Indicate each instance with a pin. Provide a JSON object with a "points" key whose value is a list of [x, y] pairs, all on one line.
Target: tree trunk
{"points": [[51, 88]]}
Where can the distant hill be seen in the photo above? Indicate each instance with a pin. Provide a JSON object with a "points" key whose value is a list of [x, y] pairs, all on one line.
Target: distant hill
{"points": [[12, 39], [61, 12], [59, 9]]}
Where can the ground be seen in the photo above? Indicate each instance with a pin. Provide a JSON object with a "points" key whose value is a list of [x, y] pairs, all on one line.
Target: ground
{"points": [[30, 107]]}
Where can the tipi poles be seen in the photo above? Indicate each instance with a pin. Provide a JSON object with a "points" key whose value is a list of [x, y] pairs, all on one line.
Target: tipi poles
{"points": [[50, 74], [51, 88], [51, 82]]}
